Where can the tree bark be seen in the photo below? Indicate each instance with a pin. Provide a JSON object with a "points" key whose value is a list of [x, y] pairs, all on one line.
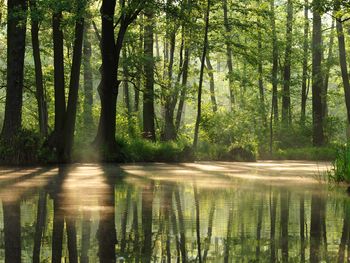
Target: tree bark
{"points": [[16, 34], [228, 54], [199, 100], [88, 78], [343, 66], [305, 62], [286, 105], [39, 93], [59, 81], [317, 82], [12, 231], [211, 84], [70, 116], [148, 95]]}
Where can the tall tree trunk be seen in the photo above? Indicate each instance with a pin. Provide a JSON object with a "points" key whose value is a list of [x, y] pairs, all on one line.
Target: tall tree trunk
{"points": [[261, 78], [88, 78], [273, 208], [126, 91], [305, 62], [70, 116], [286, 105], [317, 82], [59, 82], [343, 66], [148, 94], [210, 231], [198, 227], [16, 34], [171, 93], [71, 240], [39, 92], [181, 225], [274, 72], [228, 54], [212, 83], [183, 88], [199, 100], [327, 72], [85, 236]]}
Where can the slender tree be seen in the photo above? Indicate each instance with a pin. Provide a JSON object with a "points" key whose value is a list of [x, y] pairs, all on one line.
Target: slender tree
{"points": [[305, 62]]}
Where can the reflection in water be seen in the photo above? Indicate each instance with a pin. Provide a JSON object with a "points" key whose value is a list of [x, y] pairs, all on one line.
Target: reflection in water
{"points": [[172, 213]]}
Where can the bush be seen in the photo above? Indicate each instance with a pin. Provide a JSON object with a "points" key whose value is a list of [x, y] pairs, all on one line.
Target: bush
{"points": [[341, 165], [22, 149], [326, 153]]}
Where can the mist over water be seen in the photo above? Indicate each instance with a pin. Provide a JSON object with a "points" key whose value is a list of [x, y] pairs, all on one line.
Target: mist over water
{"points": [[202, 212]]}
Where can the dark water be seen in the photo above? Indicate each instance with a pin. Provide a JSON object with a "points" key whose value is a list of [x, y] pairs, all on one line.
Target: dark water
{"points": [[210, 212]]}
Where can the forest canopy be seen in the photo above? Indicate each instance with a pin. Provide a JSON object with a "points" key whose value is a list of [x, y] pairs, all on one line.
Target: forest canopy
{"points": [[173, 80]]}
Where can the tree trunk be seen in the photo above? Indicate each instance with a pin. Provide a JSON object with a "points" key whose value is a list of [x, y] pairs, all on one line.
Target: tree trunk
{"points": [[317, 82], [59, 85], [70, 116], [274, 72], [16, 34], [343, 66], [72, 240], [212, 83], [39, 93], [302, 227], [88, 78], [148, 95], [183, 88], [286, 106], [305, 62], [228, 54], [147, 208], [199, 100], [198, 226], [85, 236], [327, 73], [261, 79], [284, 224]]}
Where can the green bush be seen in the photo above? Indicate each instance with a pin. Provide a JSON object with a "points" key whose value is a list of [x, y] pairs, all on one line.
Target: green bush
{"points": [[340, 171], [326, 153], [23, 148]]}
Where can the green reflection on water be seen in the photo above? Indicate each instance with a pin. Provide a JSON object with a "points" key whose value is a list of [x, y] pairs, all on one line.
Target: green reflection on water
{"points": [[212, 212]]}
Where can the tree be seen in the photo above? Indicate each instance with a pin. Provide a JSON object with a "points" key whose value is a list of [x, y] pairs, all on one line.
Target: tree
{"points": [[204, 53], [148, 94], [305, 62], [16, 35], [317, 80]]}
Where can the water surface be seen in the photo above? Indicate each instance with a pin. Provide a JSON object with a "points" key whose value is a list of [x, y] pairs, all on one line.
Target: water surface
{"points": [[204, 212]]}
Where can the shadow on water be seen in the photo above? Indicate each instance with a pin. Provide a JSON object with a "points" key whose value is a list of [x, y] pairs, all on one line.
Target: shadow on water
{"points": [[168, 213]]}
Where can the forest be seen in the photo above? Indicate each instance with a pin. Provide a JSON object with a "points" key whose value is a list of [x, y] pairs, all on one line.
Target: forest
{"points": [[173, 80]]}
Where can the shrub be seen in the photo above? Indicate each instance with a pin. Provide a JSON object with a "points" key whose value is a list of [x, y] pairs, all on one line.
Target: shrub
{"points": [[341, 165], [22, 149]]}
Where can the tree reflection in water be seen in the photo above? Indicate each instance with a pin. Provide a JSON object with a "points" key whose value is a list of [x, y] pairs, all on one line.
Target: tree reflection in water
{"points": [[78, 212]]}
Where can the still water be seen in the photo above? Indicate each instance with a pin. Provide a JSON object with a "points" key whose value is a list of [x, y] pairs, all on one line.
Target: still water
{"points": [[204, 212]]}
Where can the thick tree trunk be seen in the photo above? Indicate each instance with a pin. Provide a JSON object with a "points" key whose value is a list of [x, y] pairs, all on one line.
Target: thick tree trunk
{"points": [[286, 105], [228, 54], [199, 100], [343, 66], [305, 62], [211, 84], [16, 34], [317, 82], [148, 95], [88, 78], [39, 93], [59, 84]]}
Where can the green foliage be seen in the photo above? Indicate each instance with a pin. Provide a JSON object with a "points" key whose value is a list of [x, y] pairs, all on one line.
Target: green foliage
{"points": [[326, 153], [22, 149], [340, 171]]}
